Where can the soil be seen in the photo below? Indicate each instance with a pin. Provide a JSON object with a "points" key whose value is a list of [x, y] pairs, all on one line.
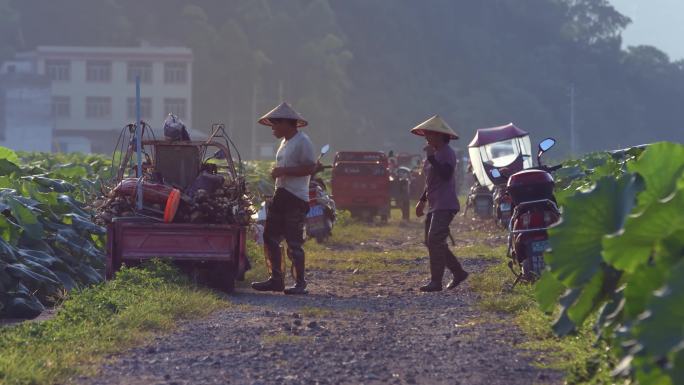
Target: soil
{"points": [[383, 331]]}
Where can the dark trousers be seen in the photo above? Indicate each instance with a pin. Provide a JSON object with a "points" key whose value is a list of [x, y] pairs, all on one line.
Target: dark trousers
{"points": [[436, 234], [285, 220]]}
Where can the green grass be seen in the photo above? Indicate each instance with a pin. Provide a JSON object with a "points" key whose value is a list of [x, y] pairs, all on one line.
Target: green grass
{"points": [[100, 320], [315, 312], [480, 251], [285, 338], [581, 357]]}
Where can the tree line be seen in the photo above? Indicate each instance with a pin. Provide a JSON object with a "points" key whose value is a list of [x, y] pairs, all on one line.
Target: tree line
{"points": [[365, 71]]}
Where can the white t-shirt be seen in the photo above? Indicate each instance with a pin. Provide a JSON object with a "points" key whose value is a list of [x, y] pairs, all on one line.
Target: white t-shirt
{"points": [[297, 151]]}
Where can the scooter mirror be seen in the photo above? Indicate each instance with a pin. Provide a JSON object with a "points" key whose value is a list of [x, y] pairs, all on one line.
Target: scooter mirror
{"points": [[325, 149], [495, 173], [546, 144]]}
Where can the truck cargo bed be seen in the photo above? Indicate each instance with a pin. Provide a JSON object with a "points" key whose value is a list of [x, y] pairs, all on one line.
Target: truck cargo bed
{"points": [[131, 241]]}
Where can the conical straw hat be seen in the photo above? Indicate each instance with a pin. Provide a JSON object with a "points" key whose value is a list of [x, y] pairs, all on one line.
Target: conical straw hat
{"points": [[283, 111], [434, 124]]}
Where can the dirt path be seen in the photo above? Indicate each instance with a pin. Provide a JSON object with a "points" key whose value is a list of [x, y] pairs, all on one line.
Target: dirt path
{"points": [[378, 329]]}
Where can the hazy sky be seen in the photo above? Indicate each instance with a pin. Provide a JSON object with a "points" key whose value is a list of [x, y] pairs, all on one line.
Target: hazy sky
{"points": [[655, 22]]}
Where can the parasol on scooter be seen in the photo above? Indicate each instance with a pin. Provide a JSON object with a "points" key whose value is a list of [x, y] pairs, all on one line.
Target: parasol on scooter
{"points": [[507, 148]]}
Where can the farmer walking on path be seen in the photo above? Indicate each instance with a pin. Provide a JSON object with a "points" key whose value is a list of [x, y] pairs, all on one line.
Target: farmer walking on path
{"points": [[442, 199], [295, 162]]}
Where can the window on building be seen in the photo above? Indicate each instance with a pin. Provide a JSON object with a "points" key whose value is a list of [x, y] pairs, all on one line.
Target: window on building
{"points": [[142, 69], [175, 73], [145, 108], [98, 71], [61, 106], [98, 107], [176, 106], [58, 70]]}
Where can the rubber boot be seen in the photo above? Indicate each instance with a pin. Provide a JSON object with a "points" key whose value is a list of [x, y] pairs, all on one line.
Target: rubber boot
{"points": [[457, 279], [431, 286], [436, 274], [459, 275], [298, 272], [275, 282]]}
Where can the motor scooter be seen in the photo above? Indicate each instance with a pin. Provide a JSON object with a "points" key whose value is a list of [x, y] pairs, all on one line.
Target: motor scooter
{"points": [[534, 211], [322, 212], [506, 148]]}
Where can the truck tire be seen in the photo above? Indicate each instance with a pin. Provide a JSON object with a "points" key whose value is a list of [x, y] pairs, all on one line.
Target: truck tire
{"points": [[385, 213], [406, 210], [532, 267], [223, 277]]}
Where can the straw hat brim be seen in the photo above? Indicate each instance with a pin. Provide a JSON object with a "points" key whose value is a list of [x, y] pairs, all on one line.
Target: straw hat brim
{"points": [[283, 111], [267, 122], [434, 124], [421, 132]]}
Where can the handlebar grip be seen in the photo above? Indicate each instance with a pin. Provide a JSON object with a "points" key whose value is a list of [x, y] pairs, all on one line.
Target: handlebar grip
{"points": [[554, 168]]}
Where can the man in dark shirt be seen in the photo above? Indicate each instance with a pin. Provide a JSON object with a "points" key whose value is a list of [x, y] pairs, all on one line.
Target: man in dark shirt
{"points": [[441, 196]]}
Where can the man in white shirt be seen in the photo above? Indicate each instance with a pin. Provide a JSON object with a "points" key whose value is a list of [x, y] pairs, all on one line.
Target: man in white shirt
{"points": [[295, 162]]}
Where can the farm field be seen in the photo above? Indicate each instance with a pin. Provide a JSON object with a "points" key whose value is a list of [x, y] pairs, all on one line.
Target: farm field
{"points": [[365, 320]]}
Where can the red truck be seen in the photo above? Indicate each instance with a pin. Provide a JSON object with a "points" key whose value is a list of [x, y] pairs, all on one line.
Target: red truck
{"points": [[210, 253], [361, 183]]}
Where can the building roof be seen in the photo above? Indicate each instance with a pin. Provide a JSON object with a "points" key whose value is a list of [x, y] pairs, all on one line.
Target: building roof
{"points": [[110, 53]]}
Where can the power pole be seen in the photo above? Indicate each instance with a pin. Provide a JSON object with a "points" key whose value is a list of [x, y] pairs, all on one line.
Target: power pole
{"points": [[573, 140], [138, 145], [254, 124]]}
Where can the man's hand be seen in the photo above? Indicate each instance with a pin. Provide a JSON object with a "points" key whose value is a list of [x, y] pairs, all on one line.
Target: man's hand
{"points": [[277, 172], [429, 150], [420, 209]]}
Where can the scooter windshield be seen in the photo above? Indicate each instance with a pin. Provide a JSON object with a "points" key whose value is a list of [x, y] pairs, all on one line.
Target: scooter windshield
{"points": [[511, 154], [501, 154]]}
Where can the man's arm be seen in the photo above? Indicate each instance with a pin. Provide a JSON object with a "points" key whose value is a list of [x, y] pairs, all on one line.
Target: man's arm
{"points": [[303, 170], [423, 196], [420, 206]]}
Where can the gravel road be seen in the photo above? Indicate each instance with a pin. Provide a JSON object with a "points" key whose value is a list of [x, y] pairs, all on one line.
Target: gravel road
{"points": [[380, 332]]}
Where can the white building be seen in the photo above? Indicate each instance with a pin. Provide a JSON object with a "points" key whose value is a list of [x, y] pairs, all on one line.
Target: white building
{"points": [[26, 121], [93, 90]]}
